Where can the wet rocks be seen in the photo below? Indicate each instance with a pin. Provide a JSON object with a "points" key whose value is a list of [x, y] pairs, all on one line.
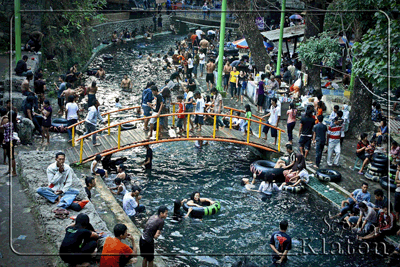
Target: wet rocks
{"points": [[25, 133]]}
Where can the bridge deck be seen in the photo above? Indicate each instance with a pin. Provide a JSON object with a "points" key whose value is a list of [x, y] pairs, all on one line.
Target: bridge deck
{"points": [[137, 136]]}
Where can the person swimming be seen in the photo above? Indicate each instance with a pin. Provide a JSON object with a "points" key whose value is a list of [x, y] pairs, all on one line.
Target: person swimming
{"points": [[196, 201], [178, 213]]}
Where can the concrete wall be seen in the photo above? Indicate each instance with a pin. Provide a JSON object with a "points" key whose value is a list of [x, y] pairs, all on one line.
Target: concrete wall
{"points": [[105, 30]]}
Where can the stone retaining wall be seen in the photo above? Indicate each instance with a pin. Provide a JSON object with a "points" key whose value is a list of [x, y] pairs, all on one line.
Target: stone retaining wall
{"points": [[104, 31], [32, 170]]}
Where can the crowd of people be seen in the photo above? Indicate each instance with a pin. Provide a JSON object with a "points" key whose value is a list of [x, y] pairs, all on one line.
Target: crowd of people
{"points": [[190, 59]]}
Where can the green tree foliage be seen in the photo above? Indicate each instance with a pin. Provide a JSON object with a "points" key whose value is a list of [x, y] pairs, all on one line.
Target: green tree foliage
{"points": [[67, 32], [320, 49], [370, 29], [372, 53]]}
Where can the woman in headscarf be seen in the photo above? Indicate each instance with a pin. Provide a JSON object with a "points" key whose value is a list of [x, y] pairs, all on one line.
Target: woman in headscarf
{"points": [[346, 122], [298, 166]]}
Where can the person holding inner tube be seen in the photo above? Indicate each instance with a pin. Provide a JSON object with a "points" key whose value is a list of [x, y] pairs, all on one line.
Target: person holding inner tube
{"points": [[298, 166], [178, 213], [267, 188], [196, 201]]}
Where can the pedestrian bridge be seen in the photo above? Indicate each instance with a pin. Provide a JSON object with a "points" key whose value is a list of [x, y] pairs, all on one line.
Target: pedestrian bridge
{"points": [[117, 139]]}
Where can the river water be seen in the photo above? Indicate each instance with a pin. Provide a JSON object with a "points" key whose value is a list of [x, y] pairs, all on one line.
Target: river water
{"points": [[245, 222]]}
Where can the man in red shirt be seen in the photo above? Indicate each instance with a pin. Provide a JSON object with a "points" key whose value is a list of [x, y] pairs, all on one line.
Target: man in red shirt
{"points": [[115, 253]]}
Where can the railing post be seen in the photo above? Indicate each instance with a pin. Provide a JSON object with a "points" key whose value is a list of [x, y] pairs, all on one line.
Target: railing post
{"points": [[188, 126], [230, 120], [109, 129], [279, 141], [158, 128], [173, 117], [259, 129], [215, 125], [81, 152], [73, 136], [119, 136], [248, 131]]}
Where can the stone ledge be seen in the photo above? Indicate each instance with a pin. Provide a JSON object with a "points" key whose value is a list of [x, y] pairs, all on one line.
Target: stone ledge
{"points": [[32, 170]]}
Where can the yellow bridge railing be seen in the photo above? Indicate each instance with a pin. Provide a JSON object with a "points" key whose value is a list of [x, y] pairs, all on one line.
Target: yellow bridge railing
{"points": [[188, 138]]}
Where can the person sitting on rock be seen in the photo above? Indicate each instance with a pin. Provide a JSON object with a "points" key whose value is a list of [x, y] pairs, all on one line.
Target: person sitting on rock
{"points": [[22, 69], [131, 201], [287, 162], [79, 242], [60, 177], [34, 45]]}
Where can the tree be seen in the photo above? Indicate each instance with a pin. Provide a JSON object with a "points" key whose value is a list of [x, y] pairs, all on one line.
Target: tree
{"points": [[249, 29], [315, 50], [314, 22], [369, 53], [64, 30]]}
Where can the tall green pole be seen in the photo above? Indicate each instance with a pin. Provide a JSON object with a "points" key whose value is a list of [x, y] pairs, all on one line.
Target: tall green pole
{"points": [[221, 46], [17, 15], [278, 64]]}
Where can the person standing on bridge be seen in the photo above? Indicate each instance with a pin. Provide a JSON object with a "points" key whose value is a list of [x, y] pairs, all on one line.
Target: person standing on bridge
{"points": [[147, 97], [217, 105], [91, 121], [156, 109]]}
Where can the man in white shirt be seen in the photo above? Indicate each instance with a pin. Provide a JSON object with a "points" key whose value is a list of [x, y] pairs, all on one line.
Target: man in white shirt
{"points": [[199, 120], [71, 113], [274, 116], [199, 32], [131, 200], [60, 177], [91, 121], [202, 62]]}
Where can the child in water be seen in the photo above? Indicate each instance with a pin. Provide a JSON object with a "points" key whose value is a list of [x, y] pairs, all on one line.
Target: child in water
{"points": [[117, 104]]}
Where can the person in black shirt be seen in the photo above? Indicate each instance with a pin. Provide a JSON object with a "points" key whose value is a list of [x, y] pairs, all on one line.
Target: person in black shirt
{"points": [[156, 110], [90, 183], [191, 85], [179, 214], [305, 132], [79, 238], [319, 138], [21, 69], [280, 243], [380, 200], [147, 163], [30, 114]]}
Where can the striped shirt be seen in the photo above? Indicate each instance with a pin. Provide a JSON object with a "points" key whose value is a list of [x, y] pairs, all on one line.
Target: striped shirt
{"points": [[334, 131]]}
